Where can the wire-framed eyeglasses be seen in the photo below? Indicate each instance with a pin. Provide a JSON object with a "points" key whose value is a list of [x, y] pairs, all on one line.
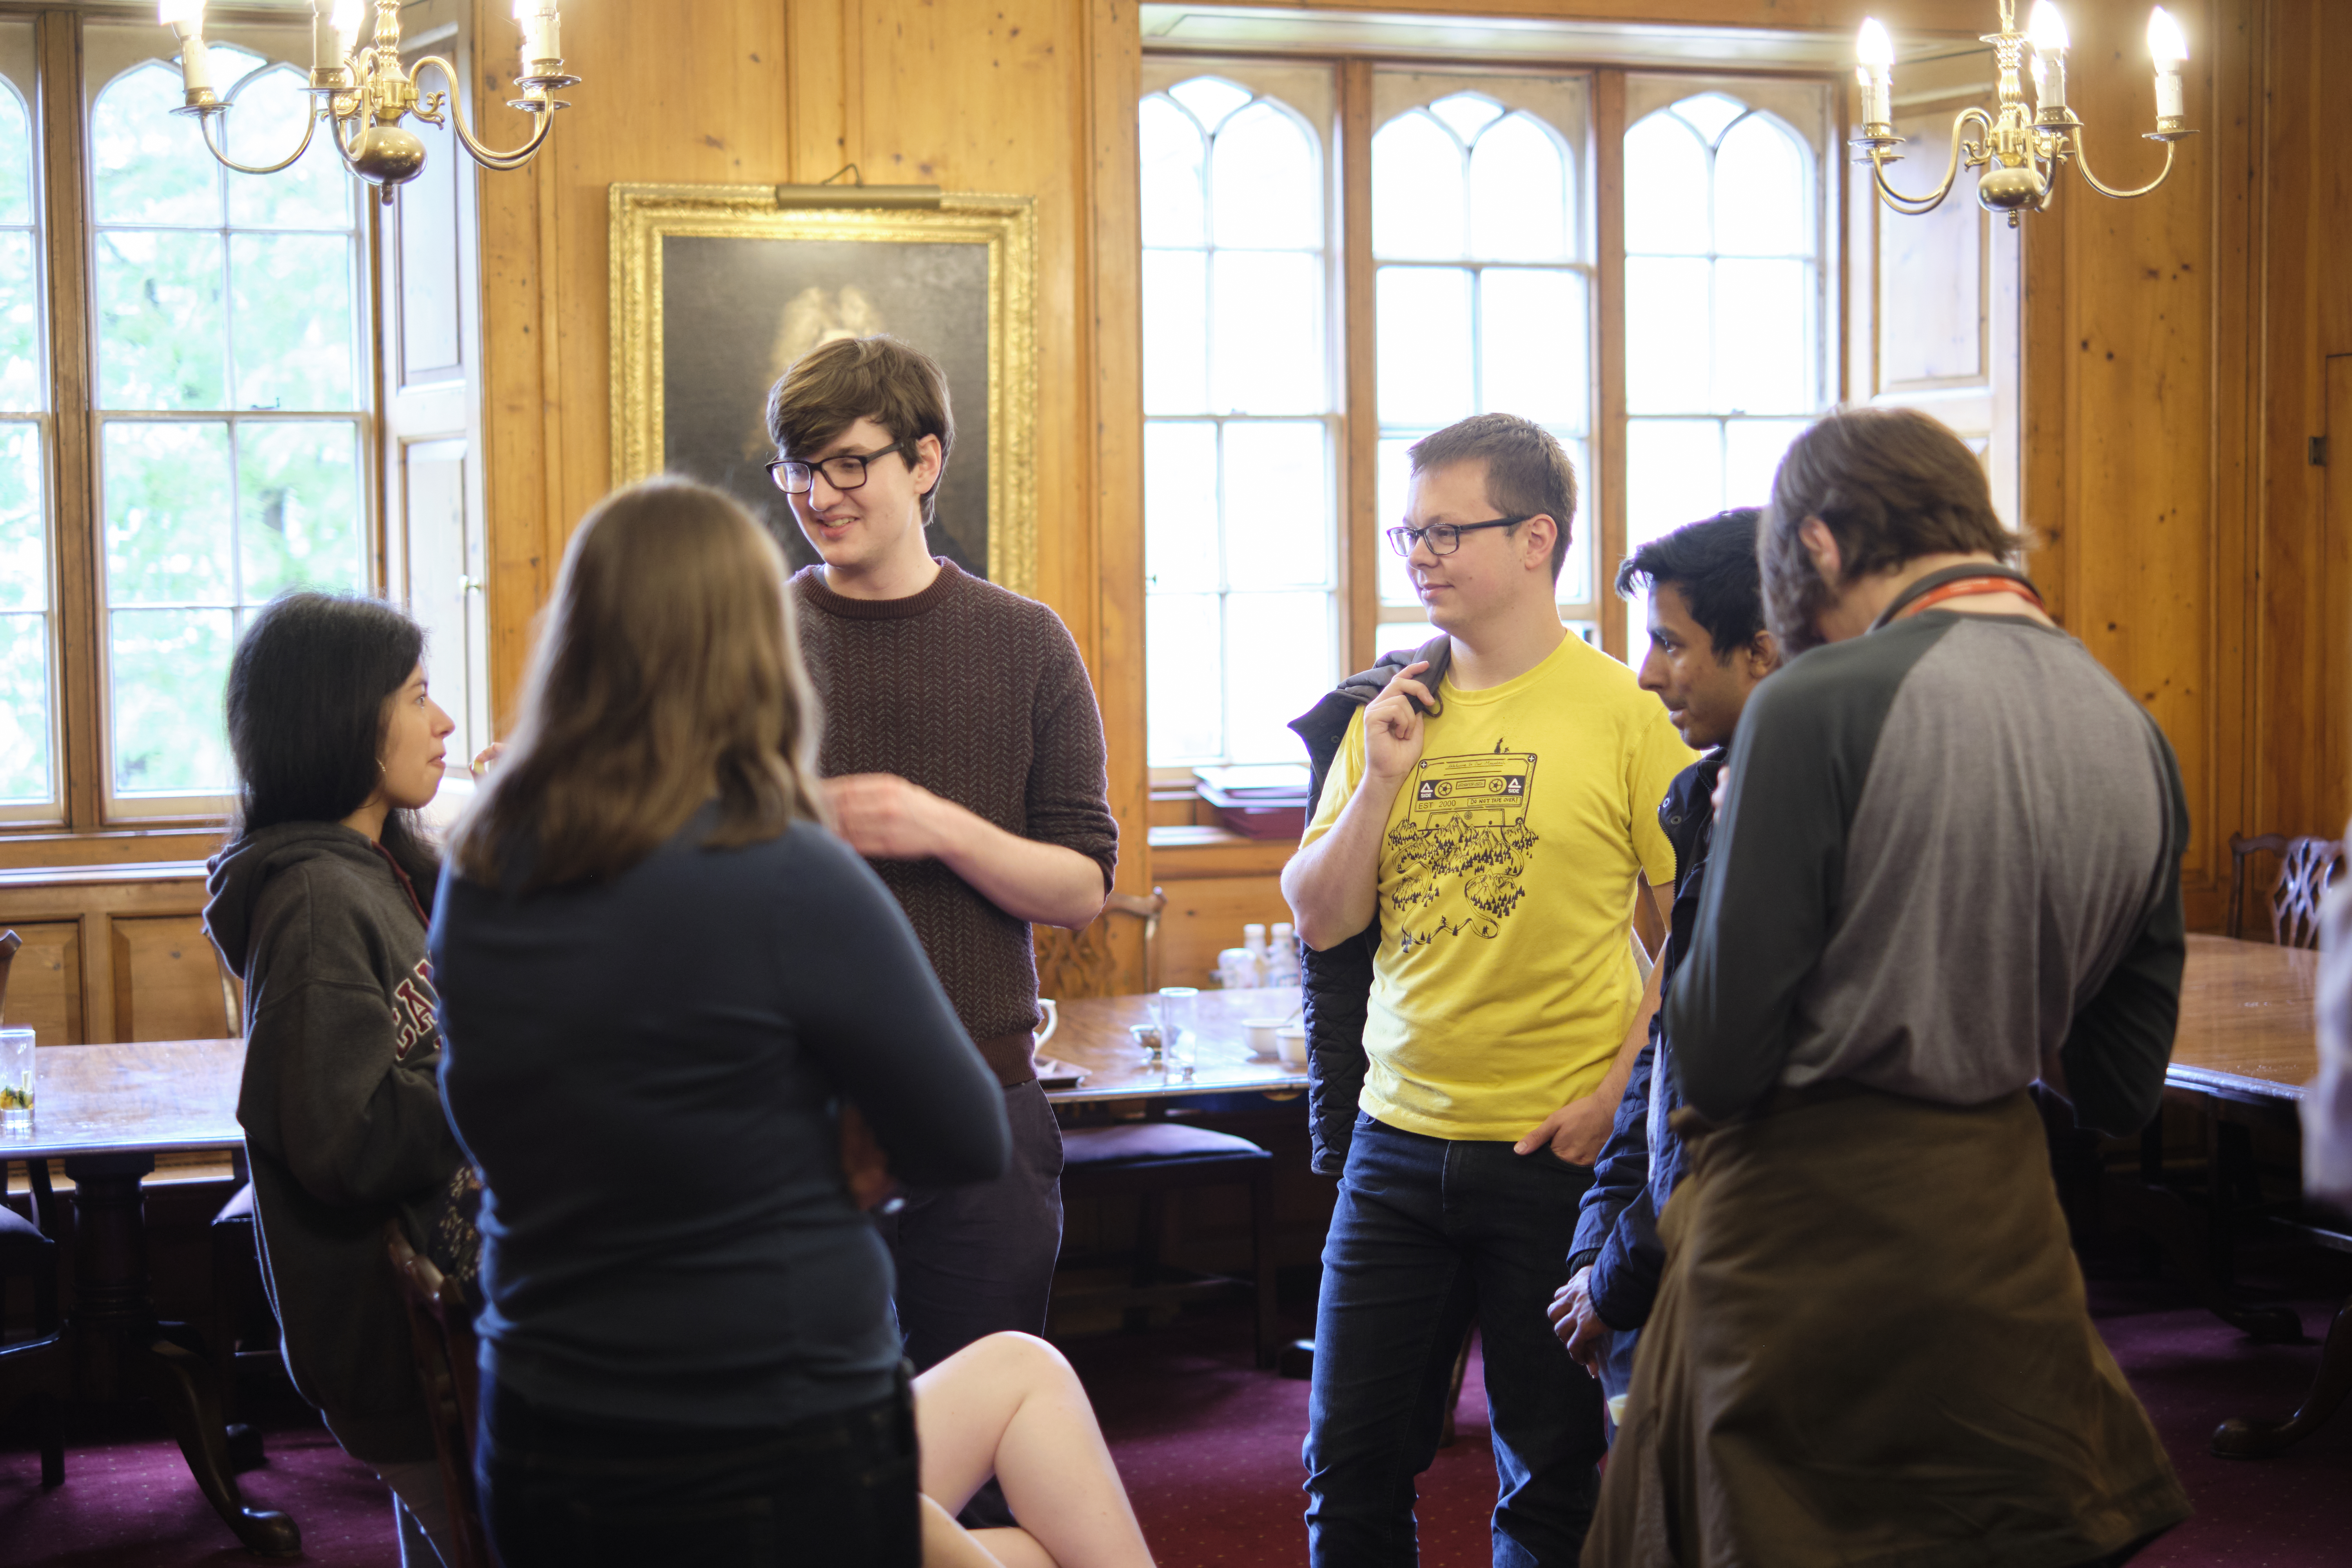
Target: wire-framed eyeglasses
{"points": [[1444, 538], [843, 470]]}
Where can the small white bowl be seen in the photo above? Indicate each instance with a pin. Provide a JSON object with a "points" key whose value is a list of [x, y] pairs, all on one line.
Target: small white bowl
{"points": [[1262, 1042], [1290, 1043]]}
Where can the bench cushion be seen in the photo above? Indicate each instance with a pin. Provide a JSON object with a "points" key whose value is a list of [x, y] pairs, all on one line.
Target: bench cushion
{"points": [[13, 1226], [1153, 1142]]}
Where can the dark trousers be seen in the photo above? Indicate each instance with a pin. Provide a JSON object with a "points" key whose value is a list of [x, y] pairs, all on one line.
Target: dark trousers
{"points": [[1428, 1236], [560, 1490], [978, 1260]]}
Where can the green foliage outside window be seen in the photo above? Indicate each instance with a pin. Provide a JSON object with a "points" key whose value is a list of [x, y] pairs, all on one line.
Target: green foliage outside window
{"points": [[231, 297]]}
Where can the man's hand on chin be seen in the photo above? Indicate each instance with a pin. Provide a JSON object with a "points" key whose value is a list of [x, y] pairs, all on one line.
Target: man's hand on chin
{"points": [[885, 817], [1576, 1131]]}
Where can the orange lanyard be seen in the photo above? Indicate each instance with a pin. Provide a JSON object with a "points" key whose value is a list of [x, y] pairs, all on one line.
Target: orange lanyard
{"points": [[1960, 588]]}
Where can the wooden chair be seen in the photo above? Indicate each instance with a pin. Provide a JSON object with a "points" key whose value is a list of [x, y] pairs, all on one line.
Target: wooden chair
{"points": [[2306, 868], [441, 1333], [238, 1294], [1082, 962], [35, 1369], [1149, 1160]]}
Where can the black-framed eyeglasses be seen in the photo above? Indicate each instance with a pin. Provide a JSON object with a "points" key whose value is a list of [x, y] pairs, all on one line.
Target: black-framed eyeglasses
{"points": [[843, 470], [1444, 538]]}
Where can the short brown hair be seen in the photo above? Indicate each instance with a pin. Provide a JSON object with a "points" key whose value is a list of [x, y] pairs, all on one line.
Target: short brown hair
{"points": [[1528, 470], [667, 669], [836, 384], [1891, 485]]}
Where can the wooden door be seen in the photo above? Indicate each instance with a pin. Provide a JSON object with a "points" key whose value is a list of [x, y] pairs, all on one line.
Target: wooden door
{"points": [[1932, 301]]}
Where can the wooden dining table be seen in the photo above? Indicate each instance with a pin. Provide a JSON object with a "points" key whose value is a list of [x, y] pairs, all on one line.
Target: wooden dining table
{"points": [[2247, 1039], [1094, 1037], [107, 1111], [2248, 1044]]}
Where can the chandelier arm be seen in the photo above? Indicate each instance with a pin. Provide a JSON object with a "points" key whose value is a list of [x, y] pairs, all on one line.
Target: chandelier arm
{"points": [[1916, 205], [359, 118], [2082, 164], [310, 128], [487, 157]]}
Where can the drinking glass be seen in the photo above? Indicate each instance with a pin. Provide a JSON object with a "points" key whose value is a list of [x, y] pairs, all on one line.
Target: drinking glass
{"points": [[1180, 1036], [15, 1080]]}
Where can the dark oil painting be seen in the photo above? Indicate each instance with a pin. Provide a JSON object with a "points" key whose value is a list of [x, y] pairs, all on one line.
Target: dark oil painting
{"points": [[736, 312]]}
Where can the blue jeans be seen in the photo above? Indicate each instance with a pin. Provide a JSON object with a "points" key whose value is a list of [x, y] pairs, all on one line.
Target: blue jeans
{"points": [[564, 1491], [1429, 1235]]}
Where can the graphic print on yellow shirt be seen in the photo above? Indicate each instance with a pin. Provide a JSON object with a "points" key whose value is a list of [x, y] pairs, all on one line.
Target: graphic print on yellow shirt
{"points": [[1467, 818], [1505, 979]]}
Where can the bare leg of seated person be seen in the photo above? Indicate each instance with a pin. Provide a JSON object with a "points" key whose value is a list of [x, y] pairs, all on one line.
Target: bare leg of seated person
{"points": [[1009, 1406]]}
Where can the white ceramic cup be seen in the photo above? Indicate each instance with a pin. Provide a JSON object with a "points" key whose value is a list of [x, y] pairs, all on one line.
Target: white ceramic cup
{"points": [[1053, 1022], [1290, 1043], [1261, 1041]]}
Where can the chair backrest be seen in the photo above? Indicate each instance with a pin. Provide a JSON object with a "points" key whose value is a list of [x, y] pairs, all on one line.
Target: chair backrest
{"points": [[1084, 964], [441, 1333], [232, 998], [9, 943], [2307, 866]]}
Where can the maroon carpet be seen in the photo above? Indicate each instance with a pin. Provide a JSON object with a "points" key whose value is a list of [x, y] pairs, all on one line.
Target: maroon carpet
{"points": [[1210, 1449]]}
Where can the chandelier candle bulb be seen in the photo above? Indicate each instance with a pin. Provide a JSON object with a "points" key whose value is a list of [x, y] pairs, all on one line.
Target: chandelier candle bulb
{"points": [[1876, 51], [343, 28], [2047, 32], [186, 18], [2169, 47], [540, 35]]}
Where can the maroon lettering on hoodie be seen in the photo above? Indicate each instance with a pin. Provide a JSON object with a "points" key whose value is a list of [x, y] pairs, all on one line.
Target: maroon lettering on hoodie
{"points": [[414, 1008]]}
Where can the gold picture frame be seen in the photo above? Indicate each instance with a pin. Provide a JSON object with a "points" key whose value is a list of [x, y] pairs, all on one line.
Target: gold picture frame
{"points": [[699, 328]]}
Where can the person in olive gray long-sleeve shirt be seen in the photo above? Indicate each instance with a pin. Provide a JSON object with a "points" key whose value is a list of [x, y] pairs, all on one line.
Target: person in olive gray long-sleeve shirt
{"points": [[1947, 865]]}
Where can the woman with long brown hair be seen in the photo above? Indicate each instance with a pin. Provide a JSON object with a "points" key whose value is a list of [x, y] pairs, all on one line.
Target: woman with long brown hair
{"points": [[663, 980]]}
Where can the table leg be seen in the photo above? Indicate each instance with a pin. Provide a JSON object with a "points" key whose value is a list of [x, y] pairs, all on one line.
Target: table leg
{"points": [[2241, 1439], [120, 1345]]}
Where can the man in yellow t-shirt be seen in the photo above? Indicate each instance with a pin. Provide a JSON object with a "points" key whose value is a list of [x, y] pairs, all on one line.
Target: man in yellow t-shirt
{"points": [[1497, 821]]}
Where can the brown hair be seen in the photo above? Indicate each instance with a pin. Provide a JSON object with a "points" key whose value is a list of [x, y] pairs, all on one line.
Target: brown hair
{"points": [[836, 384], [1891, 485], [668, 668], [1528, 470]]}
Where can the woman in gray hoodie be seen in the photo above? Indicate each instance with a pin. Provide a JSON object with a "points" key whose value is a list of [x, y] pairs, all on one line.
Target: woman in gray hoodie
{"points": [[321, 900]]}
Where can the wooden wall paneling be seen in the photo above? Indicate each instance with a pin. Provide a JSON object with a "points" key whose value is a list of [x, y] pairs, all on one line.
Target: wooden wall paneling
{"points": [[817, 33], [45, 982], [1115, 519], [1360, 489], [1217, 883], [167, 981], [970, 98], [1205, 916], [987, 98], [648, 111], [2335, 799], [1606, 512], [96, 990], [2301, 599], [2285, 565], [2149, 540]]}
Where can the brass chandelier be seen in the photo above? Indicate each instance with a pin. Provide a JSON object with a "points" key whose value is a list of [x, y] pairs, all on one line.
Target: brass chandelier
{"points": [[365, 92], [2020, 151]]}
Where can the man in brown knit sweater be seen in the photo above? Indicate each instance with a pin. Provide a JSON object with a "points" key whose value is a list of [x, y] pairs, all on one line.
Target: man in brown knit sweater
{"points": [[963, 752]]}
